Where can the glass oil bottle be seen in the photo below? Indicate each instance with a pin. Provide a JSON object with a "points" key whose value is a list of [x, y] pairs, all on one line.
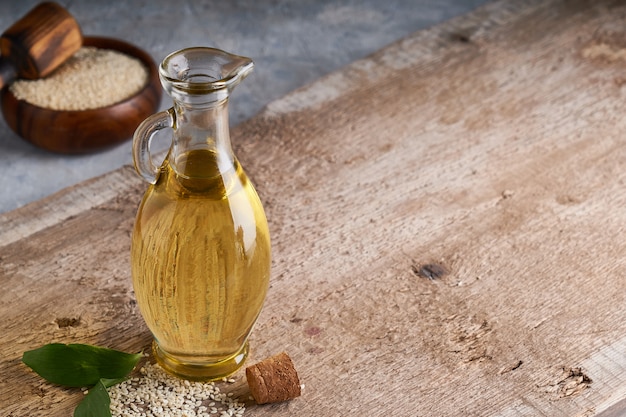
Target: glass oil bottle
{"points": [[200, 249]]}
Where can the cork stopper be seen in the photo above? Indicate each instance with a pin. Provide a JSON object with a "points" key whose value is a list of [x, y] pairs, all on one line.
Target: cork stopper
{"points": [[273, 380]]}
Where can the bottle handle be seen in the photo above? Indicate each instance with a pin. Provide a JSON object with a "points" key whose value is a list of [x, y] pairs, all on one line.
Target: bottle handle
{"points": [[142, 158]]}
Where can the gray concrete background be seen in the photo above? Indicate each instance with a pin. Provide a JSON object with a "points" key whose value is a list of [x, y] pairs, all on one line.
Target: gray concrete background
{"points": [[293, 42]]}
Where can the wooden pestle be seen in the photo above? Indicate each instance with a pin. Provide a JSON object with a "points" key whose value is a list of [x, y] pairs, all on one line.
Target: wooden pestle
{"points": [[38, 43]]}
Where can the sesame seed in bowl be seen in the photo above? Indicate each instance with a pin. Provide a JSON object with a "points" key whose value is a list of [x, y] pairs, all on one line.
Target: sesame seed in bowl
{"points": [[92, 102]]}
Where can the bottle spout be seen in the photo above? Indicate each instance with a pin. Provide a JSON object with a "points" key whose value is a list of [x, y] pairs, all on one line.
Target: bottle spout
{"points": [[190, 73]]}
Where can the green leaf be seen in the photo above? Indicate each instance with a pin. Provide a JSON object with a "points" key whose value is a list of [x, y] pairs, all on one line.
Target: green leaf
{"points": [[110, 382], [96, 403], [77, 365]]}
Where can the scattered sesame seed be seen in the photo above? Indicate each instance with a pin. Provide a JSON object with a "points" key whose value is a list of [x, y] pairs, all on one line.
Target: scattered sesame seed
{"points": [[156, 393]]}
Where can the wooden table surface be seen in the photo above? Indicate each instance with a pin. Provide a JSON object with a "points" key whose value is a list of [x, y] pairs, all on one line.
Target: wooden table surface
{"points": [[448, 220]]}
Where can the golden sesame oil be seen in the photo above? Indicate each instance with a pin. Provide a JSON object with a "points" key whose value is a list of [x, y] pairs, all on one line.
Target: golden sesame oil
{"points": [[200, 260]]}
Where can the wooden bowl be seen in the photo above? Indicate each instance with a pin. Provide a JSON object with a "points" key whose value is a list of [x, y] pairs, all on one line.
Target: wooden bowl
{"points": [[76, 132]]}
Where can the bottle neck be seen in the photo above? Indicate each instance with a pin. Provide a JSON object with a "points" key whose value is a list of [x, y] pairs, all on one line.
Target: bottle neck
{"points": [[201, 129]]}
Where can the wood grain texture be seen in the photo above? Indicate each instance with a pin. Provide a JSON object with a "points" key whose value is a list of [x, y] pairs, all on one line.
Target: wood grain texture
{"points": [[41, 41], [447, 230]]}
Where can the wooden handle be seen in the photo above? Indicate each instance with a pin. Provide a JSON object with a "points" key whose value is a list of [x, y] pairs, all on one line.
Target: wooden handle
{"points": [[39, 42]]}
